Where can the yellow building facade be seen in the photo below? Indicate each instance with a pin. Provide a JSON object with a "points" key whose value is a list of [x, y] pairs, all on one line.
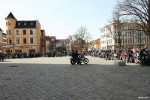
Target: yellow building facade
{"points": [[23, 36]]}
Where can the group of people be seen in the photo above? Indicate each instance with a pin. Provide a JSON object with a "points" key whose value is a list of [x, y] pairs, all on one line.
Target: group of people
{"points": [[55, 54], [23, 55], [30, 55], [134, 55]]}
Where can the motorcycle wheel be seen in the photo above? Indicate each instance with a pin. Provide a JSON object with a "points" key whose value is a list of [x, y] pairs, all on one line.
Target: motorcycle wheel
{"points": [[86, 60], [72, 62]]}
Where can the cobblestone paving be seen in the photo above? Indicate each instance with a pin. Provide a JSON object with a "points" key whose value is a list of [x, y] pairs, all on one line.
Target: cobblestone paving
{"points": [[56, 79]]}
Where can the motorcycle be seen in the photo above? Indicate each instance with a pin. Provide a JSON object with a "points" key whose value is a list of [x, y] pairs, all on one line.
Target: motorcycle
{"points": [[145, 58], [81, 59]]}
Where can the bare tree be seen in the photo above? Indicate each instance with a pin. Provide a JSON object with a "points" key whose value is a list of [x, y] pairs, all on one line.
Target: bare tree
{"points": [[72, 39], [83, 33], [49, 46], [139, 13], [118, 23]]}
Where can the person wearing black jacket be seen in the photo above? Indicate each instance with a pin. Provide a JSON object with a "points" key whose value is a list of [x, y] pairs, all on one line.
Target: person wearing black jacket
{"points": [[75, 56], [129, 52]]}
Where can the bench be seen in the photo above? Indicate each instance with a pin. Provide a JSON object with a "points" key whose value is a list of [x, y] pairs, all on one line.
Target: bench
{"points": [[120, 63]]}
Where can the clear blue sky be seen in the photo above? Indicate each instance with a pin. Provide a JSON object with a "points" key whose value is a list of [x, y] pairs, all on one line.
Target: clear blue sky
{"points": [[60, 18]]}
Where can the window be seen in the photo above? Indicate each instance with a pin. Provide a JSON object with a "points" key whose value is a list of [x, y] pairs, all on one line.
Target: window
{"points": [[31, 23], [24, 41], [135, 34], [17, 32], [139, 40], [25, 23], [135, 40], [53, 40], [9, 23], [17, 41], [125, 40], [9, 32], [123, 33], [24, 32], [19, 23], [129, 33], [9, 40], [31, 40], [146, 41], [31, 32], [79, 41]]}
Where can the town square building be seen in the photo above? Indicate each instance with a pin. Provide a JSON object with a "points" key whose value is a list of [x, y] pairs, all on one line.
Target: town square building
{"points": [[23, 35], [129, 36], [65, 42]]}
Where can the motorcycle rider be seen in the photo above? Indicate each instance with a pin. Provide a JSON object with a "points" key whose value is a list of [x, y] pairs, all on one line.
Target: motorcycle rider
{"points": [[75, 56]]}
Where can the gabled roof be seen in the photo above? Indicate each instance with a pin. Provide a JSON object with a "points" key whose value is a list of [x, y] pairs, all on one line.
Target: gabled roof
{"points": [[97, 41], [25, 24], [50, 37], [10, 16], [76, 42]]}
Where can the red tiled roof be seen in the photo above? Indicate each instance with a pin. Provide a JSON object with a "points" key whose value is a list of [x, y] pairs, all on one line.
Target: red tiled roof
{"points": [[63, 40], [97, 41]]}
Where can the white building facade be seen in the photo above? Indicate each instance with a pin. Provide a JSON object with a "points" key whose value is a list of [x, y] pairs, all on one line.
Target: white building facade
{"points": [[129, 37]]}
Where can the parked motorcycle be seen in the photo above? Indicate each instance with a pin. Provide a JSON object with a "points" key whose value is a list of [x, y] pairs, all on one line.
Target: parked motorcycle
{"points": [[144, 57]]}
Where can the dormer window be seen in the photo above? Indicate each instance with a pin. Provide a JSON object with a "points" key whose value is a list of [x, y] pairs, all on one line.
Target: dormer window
{"points": [[19, 23], [31, 23], [25, 23]]}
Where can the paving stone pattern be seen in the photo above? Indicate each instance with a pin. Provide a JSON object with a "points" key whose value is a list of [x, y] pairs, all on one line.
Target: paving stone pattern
{"points": [[56, 79]]}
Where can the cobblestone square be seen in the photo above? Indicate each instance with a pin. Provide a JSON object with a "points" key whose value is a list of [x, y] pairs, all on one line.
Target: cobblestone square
{"points": [[56, 79]]}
